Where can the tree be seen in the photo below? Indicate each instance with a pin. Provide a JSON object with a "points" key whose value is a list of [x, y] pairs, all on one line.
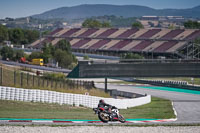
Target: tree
{"points": [[132, 56], [63, 54], [46, 53], [30, 36], [137, 25], [16, 35], [106, 25], [192, 25], [64, 45], [172, 27], [91, 23], [18, 54], [86, 57], [7, 53], [3, 33], [64, 60], [35, 55]]}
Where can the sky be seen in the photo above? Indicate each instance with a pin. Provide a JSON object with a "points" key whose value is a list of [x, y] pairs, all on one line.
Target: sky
{"points": [[24, 8]]}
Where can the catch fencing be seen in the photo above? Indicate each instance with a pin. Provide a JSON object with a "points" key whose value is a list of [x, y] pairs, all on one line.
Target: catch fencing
{"points": [[15, 78], [44, 96]]}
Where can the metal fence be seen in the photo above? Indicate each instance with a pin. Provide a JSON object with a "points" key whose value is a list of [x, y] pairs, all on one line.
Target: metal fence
{"points": [[17, 78]]}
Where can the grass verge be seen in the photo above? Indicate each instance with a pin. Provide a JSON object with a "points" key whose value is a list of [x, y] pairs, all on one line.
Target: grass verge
{"points": [[157, 109]]}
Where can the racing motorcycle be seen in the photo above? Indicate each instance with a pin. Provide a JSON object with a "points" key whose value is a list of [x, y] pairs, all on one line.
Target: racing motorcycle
{"points": [[109, 114]]}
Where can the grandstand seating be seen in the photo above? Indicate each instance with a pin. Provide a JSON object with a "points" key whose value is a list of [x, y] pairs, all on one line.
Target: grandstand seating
{"points": [[127, 33], [120, 45], [172, 34], [55, 41], [107, 33], [90, 43], [80, 43], [176, 47], [153, 46], [194, 35], [138, 33], [130, 45], [70, 32], [142, 45], [49, 39], [99, 44], [123, 39], [56, 31], [160, 34], [109, 44], [184, 34], [117, 33], [149, 33], [88, 32], [165, 46], [74, 41]]}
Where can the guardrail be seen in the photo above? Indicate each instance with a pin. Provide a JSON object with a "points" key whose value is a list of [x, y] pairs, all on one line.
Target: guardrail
{"points": [[33, 95], [174, 84]]}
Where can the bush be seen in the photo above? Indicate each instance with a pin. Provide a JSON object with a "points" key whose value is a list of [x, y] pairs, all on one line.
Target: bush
{"points": [[137, 25], [86, 57], [54, 76], [132, 56]]}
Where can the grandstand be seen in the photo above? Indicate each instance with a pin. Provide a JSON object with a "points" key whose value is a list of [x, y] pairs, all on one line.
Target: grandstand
{"points": [[120, 40]]}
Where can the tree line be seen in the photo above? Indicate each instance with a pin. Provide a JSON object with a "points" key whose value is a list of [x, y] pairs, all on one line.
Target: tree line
{"points": [[192, 25], [18, 36], [93, 23], [61, 53]]}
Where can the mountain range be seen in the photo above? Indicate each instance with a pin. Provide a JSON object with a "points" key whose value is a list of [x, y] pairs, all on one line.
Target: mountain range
{"points": [[86, 11]]}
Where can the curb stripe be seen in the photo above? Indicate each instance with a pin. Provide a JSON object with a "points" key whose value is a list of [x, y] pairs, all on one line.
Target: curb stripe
{"points": [[89, 121], [18, 121], [62, 122]]}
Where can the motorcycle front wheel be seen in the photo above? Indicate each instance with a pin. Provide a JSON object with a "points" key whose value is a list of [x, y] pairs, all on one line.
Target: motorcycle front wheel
{"points": [[103, 117], [122, 119]]}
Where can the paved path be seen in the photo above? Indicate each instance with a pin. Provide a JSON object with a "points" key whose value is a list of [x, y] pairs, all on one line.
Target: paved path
{"points": [[35, 66], [187, 105]]}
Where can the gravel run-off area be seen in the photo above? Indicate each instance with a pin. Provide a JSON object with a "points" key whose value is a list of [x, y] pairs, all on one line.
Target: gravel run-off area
{"points": [[96, 129]]}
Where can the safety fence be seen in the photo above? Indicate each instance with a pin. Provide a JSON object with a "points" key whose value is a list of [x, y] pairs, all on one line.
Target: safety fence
{"points": [[168, 83], [16, 78], [44, 96]]}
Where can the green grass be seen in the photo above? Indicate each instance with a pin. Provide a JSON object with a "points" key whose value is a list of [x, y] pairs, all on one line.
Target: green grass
{"points": [[157, 109]]}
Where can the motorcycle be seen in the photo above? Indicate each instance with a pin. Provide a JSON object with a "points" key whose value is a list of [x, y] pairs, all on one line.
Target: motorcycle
{"points": [[106, 115]]}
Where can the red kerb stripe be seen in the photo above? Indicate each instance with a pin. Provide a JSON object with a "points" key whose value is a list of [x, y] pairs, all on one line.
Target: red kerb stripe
{"points": [[20, 121]]}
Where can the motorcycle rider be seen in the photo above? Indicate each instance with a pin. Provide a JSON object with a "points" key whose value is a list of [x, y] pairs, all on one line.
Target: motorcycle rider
{"points": [[103, 104]]}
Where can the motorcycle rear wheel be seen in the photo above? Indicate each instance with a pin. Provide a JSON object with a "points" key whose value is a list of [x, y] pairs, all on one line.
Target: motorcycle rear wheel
{"points": [[102, 116], [122, 119]]}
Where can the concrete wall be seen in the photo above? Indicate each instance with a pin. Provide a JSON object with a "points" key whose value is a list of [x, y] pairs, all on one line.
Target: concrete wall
{"points": [[31, 95], [139, 70]]}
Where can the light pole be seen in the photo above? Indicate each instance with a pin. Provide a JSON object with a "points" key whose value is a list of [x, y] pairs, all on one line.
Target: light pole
{"points": [[40, 27]]}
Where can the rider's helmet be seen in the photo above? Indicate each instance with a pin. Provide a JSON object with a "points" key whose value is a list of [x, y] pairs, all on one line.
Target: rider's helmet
{"points": [[101, 101]]}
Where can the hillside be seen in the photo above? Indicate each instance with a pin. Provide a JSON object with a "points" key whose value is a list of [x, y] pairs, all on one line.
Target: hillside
{"points": [[84, 11]]}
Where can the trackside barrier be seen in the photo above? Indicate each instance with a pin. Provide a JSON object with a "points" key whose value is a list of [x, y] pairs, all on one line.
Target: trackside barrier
{"points": [[44, 96], [174, 84]]}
